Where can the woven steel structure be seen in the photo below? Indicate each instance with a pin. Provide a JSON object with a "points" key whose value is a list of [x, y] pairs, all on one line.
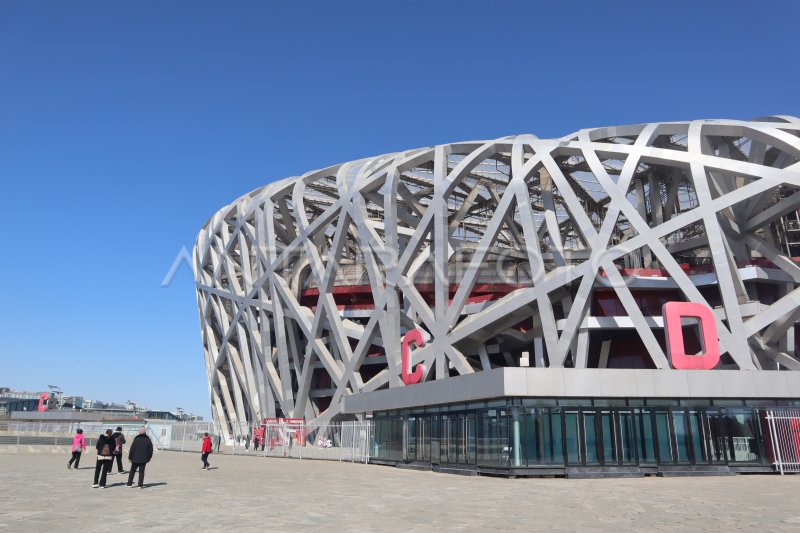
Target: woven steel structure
{"points": [[518, 251]]}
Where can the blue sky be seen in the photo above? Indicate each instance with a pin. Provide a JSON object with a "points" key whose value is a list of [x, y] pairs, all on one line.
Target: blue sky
{"points": [[125, 125]]}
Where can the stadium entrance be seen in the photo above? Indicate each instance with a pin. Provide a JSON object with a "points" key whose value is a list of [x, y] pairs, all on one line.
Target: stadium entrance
{"points": [[579, 438]]}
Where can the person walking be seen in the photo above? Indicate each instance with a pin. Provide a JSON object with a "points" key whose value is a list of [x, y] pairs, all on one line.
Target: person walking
{"points": [[119, 440], [139, 455], [208, 447], [78, 447], [105, 448]]}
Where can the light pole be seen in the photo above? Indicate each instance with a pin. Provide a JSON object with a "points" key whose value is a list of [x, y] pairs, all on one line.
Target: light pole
{"points": [[57, 394]]}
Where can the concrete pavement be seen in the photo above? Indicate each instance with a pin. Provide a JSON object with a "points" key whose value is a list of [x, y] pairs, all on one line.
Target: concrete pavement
{"points": [[249, 493]]}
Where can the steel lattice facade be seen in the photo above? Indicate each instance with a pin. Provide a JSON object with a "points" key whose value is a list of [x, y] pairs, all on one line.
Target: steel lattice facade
{"points": [[515, 252]]}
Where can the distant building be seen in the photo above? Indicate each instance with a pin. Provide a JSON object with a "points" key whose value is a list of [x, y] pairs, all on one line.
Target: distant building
{"points": [[9, 405], [13, 400], [77, 408]]}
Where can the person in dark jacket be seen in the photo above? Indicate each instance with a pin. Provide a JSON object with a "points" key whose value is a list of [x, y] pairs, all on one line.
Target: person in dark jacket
{"points": [[119, 440], [139, 455], [105, 448]]}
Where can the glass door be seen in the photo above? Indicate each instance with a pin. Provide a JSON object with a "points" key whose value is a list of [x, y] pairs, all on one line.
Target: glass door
{"points": [[423, 438], [466, 439], [435, 438], [410, 444], [447, 443]]}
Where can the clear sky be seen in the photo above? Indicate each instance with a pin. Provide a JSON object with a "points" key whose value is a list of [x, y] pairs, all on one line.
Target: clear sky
{"points": [[125, 125]]}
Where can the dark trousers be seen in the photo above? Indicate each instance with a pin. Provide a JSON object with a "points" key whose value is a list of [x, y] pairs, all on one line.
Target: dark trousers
{"points": [[204, 457], [76, 458], [118, 458], [134, 468], [101, 471]]}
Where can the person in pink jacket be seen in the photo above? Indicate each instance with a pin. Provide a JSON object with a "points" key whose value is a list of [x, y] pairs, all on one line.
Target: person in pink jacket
{"points": [[78, 447]]}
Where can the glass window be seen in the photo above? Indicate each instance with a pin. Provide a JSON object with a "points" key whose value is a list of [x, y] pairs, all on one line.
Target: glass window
{"points": [[698, 436], [745, 435], [663, 437], [539, 402], [382, 442], [487, 437], [574, 402], [661, 402], [543, 445], [517, 436], [627, 437], [503, 441], [572, 436], [718, 442], [647, 453], [761, 403], [610, 402], [590, 436], [681, 436], [696, 402], [609, 441], [396, 447], [726, 403]]}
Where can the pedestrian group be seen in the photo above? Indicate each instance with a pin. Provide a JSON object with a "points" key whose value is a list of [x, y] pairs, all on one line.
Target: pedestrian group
{"points": [[109, 448]]}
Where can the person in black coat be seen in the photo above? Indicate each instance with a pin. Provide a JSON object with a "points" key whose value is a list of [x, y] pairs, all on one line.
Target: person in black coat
{"points": [[105, 449], [119, 440], [140, 453]]}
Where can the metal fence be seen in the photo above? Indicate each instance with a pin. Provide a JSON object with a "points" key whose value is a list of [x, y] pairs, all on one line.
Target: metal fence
{"points": [[784, 440], [39, 433], [37, 440], [41, 427], [184, 436], [341, 441]]}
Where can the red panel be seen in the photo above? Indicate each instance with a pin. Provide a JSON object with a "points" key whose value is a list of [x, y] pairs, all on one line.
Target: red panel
{"points": [[413, 336], [673, 312], [43, 401]]}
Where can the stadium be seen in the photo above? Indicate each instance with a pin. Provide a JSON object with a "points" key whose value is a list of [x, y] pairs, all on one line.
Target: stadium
{"points": [[504, 306]]}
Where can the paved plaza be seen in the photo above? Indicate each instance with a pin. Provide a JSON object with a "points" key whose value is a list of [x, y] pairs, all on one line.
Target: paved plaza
{"points": [[248, 493]]}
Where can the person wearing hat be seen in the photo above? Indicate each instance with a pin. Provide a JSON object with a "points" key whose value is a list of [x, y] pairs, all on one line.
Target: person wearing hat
{"points": [[139, 455]]}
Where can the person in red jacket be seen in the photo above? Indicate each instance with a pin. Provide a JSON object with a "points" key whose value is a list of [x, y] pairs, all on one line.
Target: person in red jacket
{"points": [[207, 449]]}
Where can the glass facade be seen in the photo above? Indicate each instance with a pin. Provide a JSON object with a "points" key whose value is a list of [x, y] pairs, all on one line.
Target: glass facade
{"points": [[528, 433]]}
